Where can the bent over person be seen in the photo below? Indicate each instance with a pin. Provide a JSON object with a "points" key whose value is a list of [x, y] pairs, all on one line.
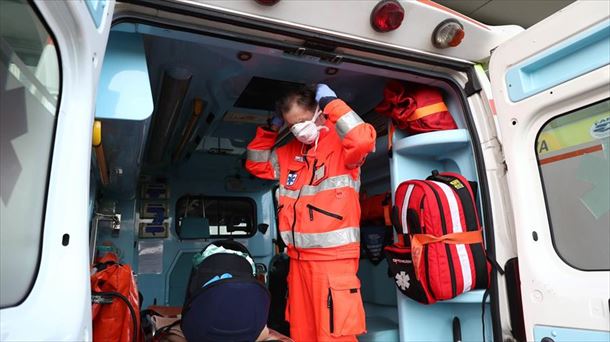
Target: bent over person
{"points": [[319, 210]]}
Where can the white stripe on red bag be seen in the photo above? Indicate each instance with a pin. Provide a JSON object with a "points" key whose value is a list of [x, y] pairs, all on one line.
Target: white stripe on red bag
{"points": [[457, 228], [403, 214]]}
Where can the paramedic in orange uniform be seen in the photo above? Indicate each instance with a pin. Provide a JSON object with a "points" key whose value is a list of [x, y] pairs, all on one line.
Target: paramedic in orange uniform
{"points": [[319, 211]]}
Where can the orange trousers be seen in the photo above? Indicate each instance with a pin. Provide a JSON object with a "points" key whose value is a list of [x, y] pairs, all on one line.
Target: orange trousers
{"points": [[324, 300]]}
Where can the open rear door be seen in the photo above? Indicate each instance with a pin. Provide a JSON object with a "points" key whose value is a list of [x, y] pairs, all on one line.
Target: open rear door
{"points": [[551, 89], [51, 56]]}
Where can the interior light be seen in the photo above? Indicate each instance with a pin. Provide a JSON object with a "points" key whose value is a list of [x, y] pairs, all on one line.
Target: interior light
{"points": [[244, 56], [387, 16], [267, 2], [331, 71], [448, 33]]}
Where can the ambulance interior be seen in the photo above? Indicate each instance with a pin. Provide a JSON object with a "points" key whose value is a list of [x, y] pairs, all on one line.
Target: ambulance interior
{"points": [[177, 109]]}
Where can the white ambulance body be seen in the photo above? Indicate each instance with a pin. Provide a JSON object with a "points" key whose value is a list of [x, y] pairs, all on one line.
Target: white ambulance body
{"points": [[532, 108]]}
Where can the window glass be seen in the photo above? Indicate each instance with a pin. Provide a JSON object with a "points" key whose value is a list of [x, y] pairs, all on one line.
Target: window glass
{"points": [[29, 87], [226, 216], [573, 158]]}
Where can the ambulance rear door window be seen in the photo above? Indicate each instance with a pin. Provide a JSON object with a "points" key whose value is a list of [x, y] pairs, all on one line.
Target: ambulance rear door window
{"points": [[573, 159], [30, 86]]}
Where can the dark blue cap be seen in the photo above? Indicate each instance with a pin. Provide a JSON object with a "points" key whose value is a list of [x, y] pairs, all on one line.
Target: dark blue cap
{"points": [[227, 310]]}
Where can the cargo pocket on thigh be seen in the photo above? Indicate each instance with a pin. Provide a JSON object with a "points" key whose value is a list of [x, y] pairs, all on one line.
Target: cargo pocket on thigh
{"points": [[344, 302]]}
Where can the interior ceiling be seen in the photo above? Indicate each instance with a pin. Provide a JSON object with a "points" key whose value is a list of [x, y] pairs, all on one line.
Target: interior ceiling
{"points": [[524, 13], [219, 78], [234, 89]]}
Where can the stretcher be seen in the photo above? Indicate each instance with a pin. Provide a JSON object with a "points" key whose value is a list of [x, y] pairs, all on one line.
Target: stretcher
{"points": [[165, 324]]}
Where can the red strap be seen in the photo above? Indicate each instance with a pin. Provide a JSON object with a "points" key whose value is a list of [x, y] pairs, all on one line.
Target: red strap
{"points": [[418, 241], [427, 110]]}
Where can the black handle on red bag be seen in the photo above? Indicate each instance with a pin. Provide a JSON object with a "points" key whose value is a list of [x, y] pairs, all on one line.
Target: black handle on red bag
{"points": [[395, 218]]}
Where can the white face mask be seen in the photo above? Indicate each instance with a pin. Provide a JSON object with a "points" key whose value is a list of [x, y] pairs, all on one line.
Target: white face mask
{"points": [[308, 132]]}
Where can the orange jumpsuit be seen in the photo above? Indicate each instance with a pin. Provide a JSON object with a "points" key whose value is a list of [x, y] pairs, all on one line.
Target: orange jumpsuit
{"points": [[319, 216]]}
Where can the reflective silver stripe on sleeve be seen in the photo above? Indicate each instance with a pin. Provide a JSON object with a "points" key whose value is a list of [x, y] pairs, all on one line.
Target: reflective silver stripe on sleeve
{"points": [[330, 239], [258, 155], [331, 183], [274, 164], [347, 122], [288, 193]]}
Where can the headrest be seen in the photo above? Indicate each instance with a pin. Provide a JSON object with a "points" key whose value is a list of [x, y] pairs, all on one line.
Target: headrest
{"points": [[230, 244]]}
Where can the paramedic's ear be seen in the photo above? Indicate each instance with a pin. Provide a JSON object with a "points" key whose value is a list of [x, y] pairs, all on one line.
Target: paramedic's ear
{"points": [[324, 95]]}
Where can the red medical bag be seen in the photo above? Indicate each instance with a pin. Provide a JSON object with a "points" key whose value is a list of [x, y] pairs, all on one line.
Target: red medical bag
{"points": [[441, 252], [115, 302], [415, 109]]}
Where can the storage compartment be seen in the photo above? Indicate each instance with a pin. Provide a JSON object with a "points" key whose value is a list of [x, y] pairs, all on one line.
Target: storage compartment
{"points": [[414, 157]]}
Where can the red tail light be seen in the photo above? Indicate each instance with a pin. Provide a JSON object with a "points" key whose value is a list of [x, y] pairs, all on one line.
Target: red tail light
{"points": [[267, 2], [387, 16]]}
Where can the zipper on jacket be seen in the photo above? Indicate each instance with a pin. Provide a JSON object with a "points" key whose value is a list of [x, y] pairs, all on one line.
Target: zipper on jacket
{"points": [[294, 210], [329, 305], [322, 211], [447, 249], [294, 221]]}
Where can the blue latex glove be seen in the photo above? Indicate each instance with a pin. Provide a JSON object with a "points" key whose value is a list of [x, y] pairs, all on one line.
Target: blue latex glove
{"points": [[322, 90], [277, 121]]}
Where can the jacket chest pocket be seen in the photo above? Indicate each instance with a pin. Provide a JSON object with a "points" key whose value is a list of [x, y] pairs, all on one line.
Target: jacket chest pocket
{"points": [[321, 169]]}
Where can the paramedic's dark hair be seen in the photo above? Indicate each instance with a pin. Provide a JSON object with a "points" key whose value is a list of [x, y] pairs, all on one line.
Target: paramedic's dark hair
{"points": [[304, 96]]}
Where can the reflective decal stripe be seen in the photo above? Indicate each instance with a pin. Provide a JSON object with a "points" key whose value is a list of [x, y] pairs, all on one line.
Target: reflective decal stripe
{"points": [[263, 156], [335, 238], [275, 164], [457, 228], [331, 183], [294, 194], [347, 122], [258, 155], [405, 206]]}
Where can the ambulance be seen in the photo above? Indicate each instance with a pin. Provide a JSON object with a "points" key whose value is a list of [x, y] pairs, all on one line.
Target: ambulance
{"points": [[122, 120]]}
